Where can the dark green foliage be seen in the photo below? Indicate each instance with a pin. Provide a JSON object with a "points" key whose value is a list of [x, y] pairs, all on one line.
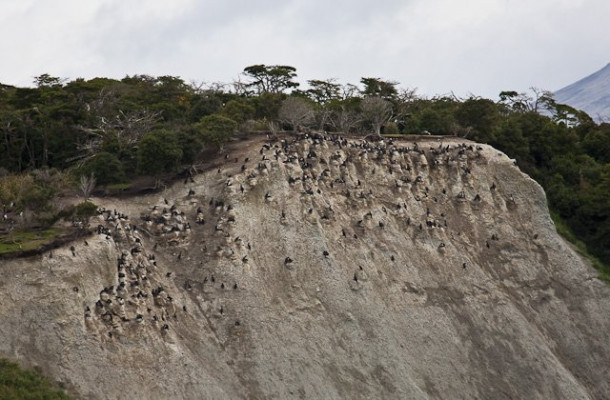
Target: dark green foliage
{"points": [[19, 384], [377, 87], [271, 78], [158, 152], [85, 209], [267, 105], [322, 92], [204, 104], [215, 130], [191, 144], [119, 129], [481, 116], [597, 143], [239, 110], [107, 169]]}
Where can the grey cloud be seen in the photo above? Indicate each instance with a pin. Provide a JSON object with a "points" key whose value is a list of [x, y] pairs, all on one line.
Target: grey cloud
{"points": [[480, 46]]}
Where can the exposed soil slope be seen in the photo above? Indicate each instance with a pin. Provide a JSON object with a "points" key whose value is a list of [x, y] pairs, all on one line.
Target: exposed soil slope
{"points": [[320, 268]]}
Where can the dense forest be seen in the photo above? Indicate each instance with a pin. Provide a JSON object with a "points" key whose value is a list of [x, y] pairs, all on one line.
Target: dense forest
{"points": [[80, 134]]}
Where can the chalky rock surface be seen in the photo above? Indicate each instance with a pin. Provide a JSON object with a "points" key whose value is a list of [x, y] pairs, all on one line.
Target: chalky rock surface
{"points": [[319, 268]]}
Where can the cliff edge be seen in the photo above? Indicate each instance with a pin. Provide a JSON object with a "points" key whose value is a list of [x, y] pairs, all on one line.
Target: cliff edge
{"points": [[318, 268]]}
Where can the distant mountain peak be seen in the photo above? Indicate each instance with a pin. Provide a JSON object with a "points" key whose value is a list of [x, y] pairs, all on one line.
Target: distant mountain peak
{"points": [[590, 94]]}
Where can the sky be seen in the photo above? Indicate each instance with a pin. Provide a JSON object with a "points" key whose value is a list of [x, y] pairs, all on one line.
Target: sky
{"points": [[466, 47]]}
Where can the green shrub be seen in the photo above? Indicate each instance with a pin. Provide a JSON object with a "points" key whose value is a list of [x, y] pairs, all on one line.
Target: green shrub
{"points": [[107, 169], [216, 129], [19, 384], [158, 152], [85, 209]]}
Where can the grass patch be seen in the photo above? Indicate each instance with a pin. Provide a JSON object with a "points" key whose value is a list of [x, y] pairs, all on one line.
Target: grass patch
{"points": [[581, 247], [19, 384], [27, 240]]}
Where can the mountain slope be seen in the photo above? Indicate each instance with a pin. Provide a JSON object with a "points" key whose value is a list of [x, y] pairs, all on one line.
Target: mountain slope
{"points": [[590, 94], [320, 268]]}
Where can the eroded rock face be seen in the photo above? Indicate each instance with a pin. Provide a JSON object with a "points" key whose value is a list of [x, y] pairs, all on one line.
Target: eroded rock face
{"points": [[320, 268]]}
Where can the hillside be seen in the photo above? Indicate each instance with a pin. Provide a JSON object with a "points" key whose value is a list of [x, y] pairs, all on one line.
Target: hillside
{"points": [[590, 94], [319, 268]]}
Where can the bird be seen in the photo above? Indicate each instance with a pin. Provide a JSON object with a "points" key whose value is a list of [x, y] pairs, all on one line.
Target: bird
{"points": [[325, 253], [288, 260]]}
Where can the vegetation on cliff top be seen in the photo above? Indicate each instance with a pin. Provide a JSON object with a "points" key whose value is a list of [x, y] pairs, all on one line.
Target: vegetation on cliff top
{"points": [[118, 130]]}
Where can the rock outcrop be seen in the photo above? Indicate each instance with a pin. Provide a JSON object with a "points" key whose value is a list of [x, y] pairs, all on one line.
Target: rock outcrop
{"points": [[319, 268]]}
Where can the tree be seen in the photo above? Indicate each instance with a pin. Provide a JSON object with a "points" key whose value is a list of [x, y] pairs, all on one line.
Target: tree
{"points": [[509, 138], [267, 105], [377, 87], [216, 129], [106, 168], [239, 110], [345, 114], [323, 91], [297, 112], [158, 152], [517, 102], [124, 130], [377, 111], [482, 115], [271, 78], [48, 81]]}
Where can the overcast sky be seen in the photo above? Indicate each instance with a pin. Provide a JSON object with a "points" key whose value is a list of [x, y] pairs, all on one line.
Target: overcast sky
{"points": [[437, 46]]}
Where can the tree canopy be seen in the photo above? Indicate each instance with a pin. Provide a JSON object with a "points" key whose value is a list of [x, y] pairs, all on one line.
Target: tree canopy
{"points": [[145, 125]]}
